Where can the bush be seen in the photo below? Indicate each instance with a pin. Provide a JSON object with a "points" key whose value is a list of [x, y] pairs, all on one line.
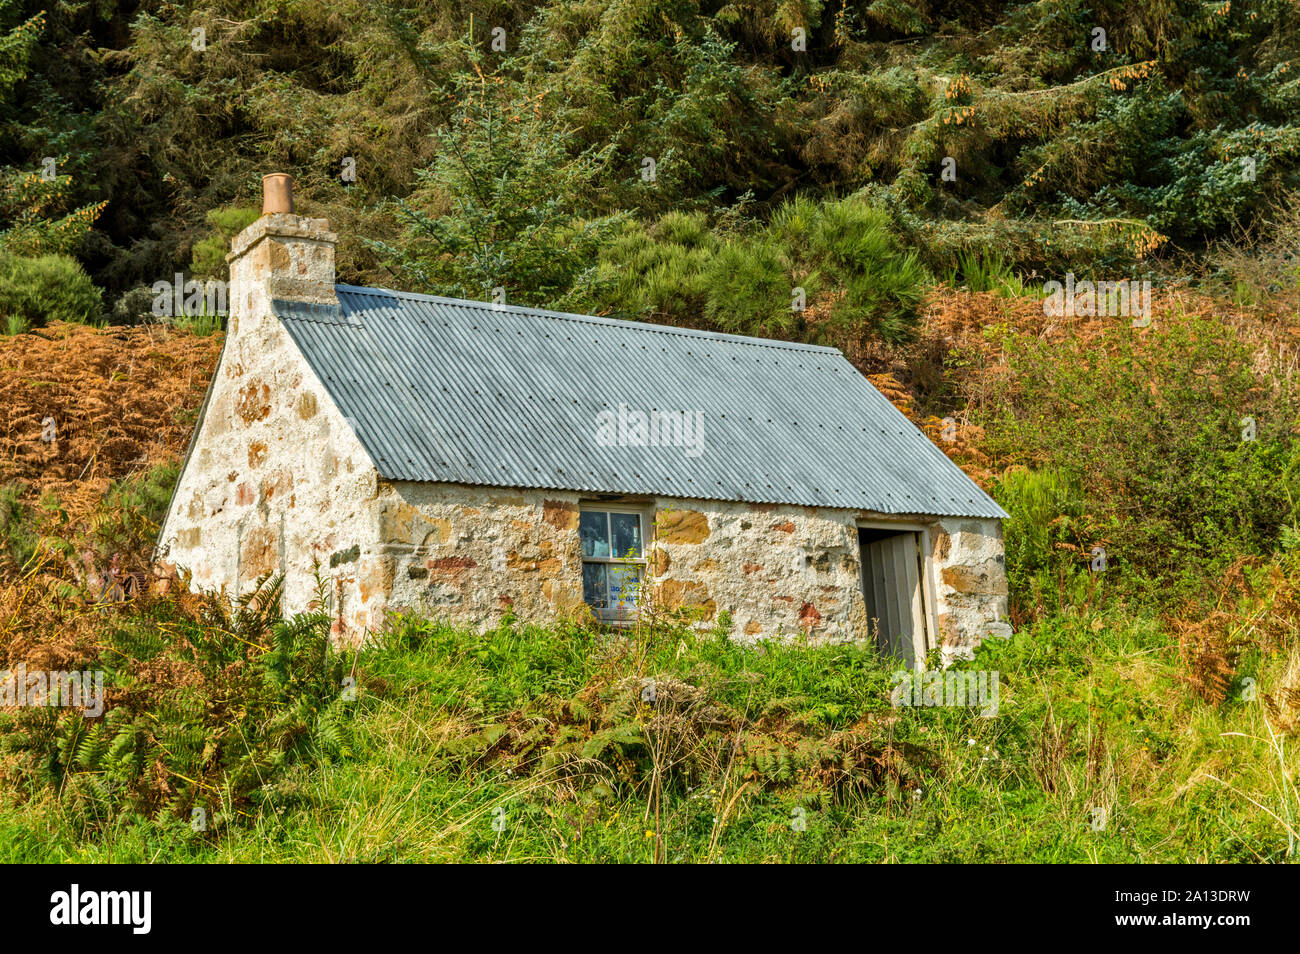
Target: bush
{"points": [[857, 279], [1044, 533], [505, 205], [35, 291], [1178, 440], [134, 307], [248, 695], [208, 260]]}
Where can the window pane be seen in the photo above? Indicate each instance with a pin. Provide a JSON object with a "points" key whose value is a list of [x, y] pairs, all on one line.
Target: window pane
{"points": [[593, 585], [624, 583], [626, 530], [594, 530]]}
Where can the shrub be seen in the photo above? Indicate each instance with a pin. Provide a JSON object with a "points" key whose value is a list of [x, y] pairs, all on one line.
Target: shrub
{"points": [[134, 307], [1045, 508], [34, 291], [208, 260], [858, 280], [1264, 272], [1179, 441], [247, 695], [505, 205]]}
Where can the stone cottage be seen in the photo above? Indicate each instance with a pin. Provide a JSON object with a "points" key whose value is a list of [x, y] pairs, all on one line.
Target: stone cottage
{"points": [[466, 459]]}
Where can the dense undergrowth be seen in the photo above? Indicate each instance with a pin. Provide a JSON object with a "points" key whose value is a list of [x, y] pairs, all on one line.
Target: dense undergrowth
{"points": [[569, 744], [896, 179], [474, 145], [1148, 710]]}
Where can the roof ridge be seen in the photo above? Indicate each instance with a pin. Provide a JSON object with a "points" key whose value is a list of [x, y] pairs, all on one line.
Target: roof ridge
{"points": [[622, 323]]}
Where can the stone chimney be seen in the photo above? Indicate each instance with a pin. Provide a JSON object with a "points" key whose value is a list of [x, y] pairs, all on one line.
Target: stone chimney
{"points": [[281, 255]]}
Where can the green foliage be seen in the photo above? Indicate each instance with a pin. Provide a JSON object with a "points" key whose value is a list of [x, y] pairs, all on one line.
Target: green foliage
{"points": [[127, 519], [18, 531], [209, 256], [1045, 533], [1064, 155], [531, 743], [34, 220], [36, 217], [249, 695], [989, 273], [17, 43], [1153, 431], [35, 291], [203, 325], [573, 704], [857, 279], [504, 205], [702, 95]]}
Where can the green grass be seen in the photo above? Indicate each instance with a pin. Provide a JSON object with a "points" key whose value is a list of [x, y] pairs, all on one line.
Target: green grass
{"points": [[987, 273], [422, 779]]}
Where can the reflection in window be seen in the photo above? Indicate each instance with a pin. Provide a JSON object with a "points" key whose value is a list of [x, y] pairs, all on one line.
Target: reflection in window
{"points": [[625, 531], [594, 585], [593, 527], [613, 561]]}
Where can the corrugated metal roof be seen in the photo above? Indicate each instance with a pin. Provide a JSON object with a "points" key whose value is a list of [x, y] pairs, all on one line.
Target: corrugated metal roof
{"points": [[455, 391]]}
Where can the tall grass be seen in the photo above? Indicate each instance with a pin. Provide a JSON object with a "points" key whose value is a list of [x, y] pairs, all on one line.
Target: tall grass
{"points": [[530, 744]]}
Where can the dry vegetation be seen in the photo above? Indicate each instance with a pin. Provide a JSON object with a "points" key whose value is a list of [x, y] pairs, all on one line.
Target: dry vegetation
{"points": [[950, 368], [120, 400]]}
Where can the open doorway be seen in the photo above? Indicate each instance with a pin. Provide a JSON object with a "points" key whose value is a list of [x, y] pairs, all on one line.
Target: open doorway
{"points": [[893, 586]]}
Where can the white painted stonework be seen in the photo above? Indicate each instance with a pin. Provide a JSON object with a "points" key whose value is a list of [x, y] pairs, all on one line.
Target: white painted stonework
{"points": [[277, 482]]}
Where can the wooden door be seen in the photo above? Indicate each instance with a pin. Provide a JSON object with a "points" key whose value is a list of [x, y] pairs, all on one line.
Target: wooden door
{"points": [[891, 586]]}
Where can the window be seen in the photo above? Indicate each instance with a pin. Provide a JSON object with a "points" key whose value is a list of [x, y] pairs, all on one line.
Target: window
{"points": [[613, 561]]}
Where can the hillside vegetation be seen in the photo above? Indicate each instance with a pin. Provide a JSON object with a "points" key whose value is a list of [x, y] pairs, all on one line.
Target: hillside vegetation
{"points": [[600, 154], [899, 179], [1146, 713]]}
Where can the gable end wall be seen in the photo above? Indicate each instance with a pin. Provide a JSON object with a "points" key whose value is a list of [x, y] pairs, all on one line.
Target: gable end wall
{"points": [[276, 479]]}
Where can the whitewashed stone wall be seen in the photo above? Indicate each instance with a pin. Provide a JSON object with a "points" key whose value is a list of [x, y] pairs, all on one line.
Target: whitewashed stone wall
{"points": [[971, 591], [276, 479], [471, 554], [278, 482]]}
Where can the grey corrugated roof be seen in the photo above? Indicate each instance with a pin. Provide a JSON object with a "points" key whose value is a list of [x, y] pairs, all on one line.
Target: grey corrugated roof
{"points": [[455, 391]]}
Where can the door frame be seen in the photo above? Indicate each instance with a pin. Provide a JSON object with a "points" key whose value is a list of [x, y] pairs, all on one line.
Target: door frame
{"points": [[929, 613]]}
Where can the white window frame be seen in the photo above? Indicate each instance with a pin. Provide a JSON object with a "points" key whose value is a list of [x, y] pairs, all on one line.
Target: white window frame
{"points": [[615, 614]]}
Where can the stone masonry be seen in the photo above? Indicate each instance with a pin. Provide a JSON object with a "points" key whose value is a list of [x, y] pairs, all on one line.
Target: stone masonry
{"points": [[277, 481]]}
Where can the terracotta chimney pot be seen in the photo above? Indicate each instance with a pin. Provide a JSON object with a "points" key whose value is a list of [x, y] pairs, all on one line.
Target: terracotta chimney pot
{"points": [[277, 193]]}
